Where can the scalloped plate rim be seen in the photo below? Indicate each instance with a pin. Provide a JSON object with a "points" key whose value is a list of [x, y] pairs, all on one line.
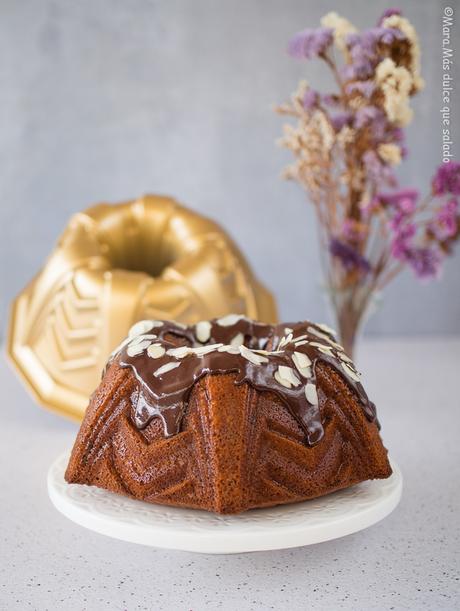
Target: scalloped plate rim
{"points": [[340, 513]]}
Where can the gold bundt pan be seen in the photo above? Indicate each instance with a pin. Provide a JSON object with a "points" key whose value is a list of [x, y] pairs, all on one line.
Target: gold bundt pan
{"points": [[114, 265]]}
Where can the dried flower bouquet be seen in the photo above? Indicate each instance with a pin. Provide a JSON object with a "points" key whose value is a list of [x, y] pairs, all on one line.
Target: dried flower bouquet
{"points": [[346, 145]]}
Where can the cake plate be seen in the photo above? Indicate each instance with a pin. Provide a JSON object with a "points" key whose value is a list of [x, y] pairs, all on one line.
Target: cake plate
{"points": [[329, 517]]}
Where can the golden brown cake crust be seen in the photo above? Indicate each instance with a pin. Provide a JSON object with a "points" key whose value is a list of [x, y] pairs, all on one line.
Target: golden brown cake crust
{"points": [[238, 447]]}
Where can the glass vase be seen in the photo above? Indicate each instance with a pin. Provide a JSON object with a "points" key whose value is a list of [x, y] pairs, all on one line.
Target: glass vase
{"points": [[351, 309]]}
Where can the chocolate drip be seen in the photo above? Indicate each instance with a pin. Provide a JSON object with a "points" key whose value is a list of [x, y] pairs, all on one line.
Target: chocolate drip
{"points": [[168, 359]]}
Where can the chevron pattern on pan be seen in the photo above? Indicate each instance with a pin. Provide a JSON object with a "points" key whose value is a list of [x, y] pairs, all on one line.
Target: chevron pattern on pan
{"points": [[72, 326]]}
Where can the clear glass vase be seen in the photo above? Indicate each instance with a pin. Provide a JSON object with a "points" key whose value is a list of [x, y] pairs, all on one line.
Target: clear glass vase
{"points": [[351, 309]]}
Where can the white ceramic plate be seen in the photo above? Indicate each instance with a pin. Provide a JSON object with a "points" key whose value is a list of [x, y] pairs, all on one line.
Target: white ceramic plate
{"points": [[328, 517]]}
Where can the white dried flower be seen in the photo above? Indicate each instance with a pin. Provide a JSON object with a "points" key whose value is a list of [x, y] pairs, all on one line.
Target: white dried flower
{"points": [[389, 153], [342, 28], [405, 26], [395, 83], [346, 136]]}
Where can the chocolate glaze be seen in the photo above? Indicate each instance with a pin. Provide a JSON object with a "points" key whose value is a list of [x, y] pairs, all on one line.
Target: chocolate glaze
{"points": [[166, 394]]}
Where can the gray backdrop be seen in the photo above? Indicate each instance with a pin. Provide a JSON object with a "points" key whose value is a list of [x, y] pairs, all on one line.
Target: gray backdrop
{"points": [[110, 99]]}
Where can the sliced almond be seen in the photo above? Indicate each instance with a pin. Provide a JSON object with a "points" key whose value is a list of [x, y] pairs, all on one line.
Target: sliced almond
{"points": [[288, 330], [203, 331], [165, 368], [155, 351], [300, 337], [318, 345], [287, 373], [285, 340], [326, 329], [322, 348], [179, 353], [311, 394], [229, 320], [281, 380], [237, 340], [202, 350], [229, 349], [344, 357], [140, 328], [302, 363], [302, 359], [137, 348], [324, 337], [141, 338], [349, 371], [319, 334], [249, 355]]}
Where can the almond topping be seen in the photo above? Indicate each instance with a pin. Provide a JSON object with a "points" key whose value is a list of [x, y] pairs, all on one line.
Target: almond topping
{"points": [[237, 340], [180, 352], [165, 368], [311, 394], [349, 371], [229, 349], [251, 356], [155, 351], [143, 326], [137, 348], [229, 320], [202, 350], [203, 331], [302, 363], [288, 374]]}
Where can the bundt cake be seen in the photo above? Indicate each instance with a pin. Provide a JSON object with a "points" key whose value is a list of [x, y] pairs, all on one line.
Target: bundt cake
{"points": [[228, 415]]}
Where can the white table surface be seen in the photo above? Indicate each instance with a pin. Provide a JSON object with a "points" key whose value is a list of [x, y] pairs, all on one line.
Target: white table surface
{"points": [[411, 560]]}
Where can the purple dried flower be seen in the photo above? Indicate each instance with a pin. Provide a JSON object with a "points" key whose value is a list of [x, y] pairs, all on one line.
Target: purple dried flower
{"points": [[330, 100], [358, 70], [425, 262], [310, 99], [364, 51], [365, 88], [350, 258], [404, 200], [341, 119], [401, 243], [374, 119], [388, 36], [310, 43], [364, 44], [397, 134], [445, 222], [366, 114], [378, 172], [447, 179]]}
